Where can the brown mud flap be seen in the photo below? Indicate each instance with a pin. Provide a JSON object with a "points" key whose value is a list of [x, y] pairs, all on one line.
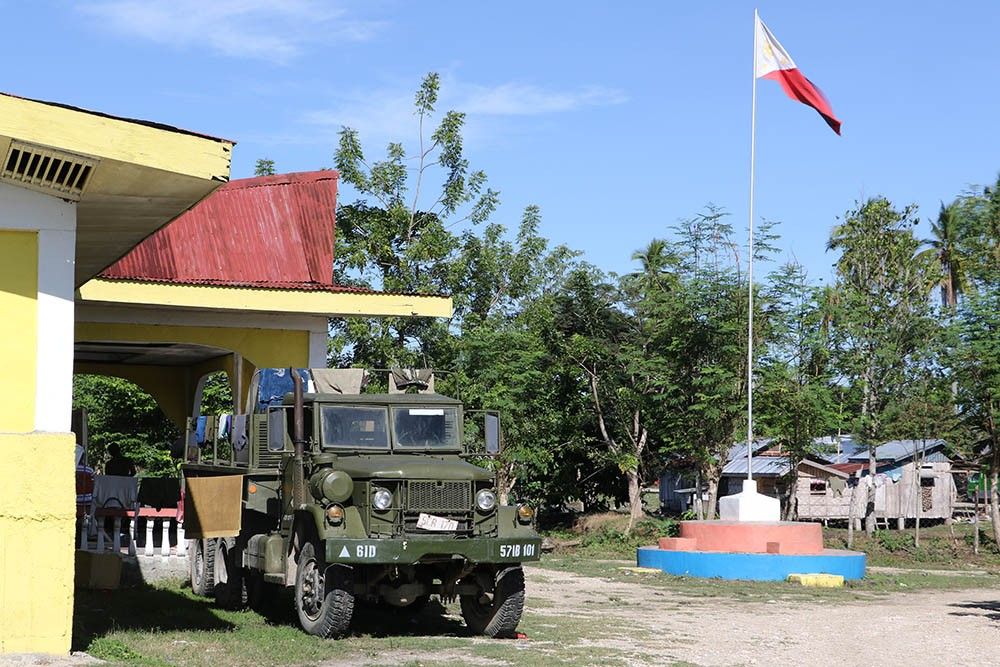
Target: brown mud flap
{"points": [[213, 506]]}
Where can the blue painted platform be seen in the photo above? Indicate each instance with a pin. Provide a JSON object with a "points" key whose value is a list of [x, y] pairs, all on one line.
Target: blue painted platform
{"points": [[752, 566]]}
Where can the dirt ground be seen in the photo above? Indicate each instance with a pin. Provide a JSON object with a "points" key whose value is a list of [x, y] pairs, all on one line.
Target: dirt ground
{"points": [[576, 619], [925, 628]]}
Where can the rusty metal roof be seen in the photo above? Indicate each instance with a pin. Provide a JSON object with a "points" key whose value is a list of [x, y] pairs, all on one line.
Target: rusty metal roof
{"points": [[272, 232]]}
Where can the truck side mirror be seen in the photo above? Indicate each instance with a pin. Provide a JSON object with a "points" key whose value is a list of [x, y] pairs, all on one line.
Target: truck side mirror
{"points": [[492, 432]]}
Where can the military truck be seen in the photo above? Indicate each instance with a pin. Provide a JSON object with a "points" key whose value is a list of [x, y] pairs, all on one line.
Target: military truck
{"points": [[347, 498]]}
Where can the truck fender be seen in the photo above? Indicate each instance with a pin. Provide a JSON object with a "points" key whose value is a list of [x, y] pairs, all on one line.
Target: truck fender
{"points": [[508, 526], [307, 526]]}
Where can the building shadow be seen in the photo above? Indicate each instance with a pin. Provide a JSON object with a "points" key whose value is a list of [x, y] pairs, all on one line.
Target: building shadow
{"points": [[986, 608], [145, 608]]}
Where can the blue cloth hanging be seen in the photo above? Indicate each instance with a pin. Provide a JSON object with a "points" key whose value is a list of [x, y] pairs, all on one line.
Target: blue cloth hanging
{"points": [[199, 430], [275, 383]]}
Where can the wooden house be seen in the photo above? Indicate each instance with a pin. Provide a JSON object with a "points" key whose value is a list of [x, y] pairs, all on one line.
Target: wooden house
{"points": [[914, 479]]}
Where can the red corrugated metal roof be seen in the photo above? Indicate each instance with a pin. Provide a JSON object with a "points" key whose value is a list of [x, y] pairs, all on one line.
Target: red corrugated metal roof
{"points": [[269, 231], [849, 468], [275, 285]]}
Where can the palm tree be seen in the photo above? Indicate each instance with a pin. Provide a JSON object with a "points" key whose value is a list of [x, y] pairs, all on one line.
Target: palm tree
{"points": [[944, 249], [657, 261]]}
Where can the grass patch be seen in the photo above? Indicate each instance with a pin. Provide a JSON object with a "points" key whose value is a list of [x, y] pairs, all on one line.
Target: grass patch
{"points": [[940, 546]]}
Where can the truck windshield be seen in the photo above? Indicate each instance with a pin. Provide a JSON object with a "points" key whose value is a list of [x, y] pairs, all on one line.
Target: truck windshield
{"points": [[426, 428], [355, 427]]}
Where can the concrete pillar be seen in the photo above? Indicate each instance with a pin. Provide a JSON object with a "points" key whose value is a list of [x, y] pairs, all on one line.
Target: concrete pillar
{"points": [[148, 547], [37, 501]]}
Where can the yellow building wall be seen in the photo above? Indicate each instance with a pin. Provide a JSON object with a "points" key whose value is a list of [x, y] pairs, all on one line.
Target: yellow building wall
{"points": [[263, 348], [18, 328], [37, 520]]}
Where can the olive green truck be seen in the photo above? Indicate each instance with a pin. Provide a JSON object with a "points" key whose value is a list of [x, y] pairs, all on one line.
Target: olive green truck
{"points": [[355, 497]]}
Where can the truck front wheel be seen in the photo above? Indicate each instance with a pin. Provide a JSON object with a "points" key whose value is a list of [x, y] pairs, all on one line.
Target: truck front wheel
{"points": [[496, 614], [324, 595]]}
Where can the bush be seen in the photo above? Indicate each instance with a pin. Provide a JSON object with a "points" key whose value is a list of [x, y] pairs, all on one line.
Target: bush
{"points": [[611, 537], [895, 540]]}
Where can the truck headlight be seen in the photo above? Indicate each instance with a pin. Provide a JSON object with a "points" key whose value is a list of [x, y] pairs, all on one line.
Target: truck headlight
{"points": [[486, 500], [335, 515], [382, 499], [525, 513]]}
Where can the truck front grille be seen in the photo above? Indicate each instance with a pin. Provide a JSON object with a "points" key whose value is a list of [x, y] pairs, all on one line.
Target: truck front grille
{"points": [[439, 496]]}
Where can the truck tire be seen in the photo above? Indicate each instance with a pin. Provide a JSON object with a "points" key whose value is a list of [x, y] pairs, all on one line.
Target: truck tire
{"points": [[230, 584], [496, 615], [324, 595], [201, 561]]}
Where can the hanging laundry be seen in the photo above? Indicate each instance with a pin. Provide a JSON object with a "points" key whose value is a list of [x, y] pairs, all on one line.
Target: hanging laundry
{"points": [[238, 434], [211, 428], [199, 430], [224, 423], [275, 383]]}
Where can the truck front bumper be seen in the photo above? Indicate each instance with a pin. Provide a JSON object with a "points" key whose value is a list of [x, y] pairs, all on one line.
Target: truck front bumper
{"points": [[398, 551]]}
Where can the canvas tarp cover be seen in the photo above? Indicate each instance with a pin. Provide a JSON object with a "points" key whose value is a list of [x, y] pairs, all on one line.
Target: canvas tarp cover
{"points": [[213, 506]]}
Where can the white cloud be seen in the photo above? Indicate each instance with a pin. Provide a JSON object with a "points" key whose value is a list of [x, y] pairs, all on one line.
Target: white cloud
{"points": [[388, 113], [275, 30], [520, 99]]}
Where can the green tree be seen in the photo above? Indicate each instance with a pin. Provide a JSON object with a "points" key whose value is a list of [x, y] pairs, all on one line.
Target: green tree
{"points": [[397, 235], [976, 353], [795, 399], [501, 359], [702, 334], [264, 167], [977, 365], [120, 412], [884, 312], [597, 337]]}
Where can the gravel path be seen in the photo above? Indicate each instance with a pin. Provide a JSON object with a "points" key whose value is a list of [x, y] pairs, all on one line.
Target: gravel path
{"points": [[931, 628]]}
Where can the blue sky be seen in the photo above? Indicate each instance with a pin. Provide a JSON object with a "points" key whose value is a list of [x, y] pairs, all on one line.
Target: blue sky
{"points": [[617, 119]]}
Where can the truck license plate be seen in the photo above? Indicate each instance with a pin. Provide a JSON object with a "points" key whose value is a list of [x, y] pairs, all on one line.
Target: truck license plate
{"points": [[431, 522]]}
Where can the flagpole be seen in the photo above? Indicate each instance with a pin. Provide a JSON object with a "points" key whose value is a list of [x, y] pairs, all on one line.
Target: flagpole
{"points": [[753, 146]]}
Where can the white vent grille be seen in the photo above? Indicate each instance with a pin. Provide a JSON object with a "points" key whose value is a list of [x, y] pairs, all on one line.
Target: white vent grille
{"points": [[51, 171]]}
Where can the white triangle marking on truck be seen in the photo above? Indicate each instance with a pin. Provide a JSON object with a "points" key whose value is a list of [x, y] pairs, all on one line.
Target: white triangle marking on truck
{"points": [[344, 553]]}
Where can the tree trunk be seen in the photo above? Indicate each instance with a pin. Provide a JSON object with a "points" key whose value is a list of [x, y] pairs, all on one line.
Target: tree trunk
{"points": [[870, 505], [869, 433], [850, 516], [994, 495], [505, 483], [918, 495], [699, 504], [634, 500], [713, 494], [791, 497]]}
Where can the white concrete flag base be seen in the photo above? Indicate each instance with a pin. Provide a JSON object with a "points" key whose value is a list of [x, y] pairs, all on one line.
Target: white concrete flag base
{"points": [[749, 505]]}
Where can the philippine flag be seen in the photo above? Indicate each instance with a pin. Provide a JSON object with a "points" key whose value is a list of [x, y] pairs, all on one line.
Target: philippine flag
{"points": [[773, 62]]}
